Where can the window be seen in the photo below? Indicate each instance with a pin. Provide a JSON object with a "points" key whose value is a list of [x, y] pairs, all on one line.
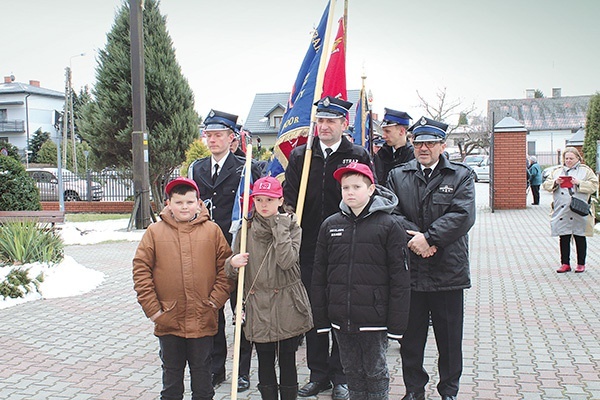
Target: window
{"points": [[277, 121], [3, 114], [531, 148]]}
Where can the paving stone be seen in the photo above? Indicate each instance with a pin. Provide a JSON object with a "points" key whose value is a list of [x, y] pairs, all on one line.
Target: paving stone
{"points": [[530, 333]]}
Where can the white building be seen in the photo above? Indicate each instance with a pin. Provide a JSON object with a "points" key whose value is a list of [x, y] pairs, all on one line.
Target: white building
{"points": [[25, 108]]}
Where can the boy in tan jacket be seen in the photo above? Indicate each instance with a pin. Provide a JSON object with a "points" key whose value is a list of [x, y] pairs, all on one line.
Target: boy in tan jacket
{"points": [[180, 280]]}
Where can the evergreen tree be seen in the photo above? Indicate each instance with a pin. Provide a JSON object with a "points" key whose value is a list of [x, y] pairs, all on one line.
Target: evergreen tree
{"points": [[10, 150], [47, 155], [592, 131], [38, 139], [106, 121], [79, 102]]}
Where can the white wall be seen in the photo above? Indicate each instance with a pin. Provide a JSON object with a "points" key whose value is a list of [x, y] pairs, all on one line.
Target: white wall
{"points": [[40, 110], [549, 141]]}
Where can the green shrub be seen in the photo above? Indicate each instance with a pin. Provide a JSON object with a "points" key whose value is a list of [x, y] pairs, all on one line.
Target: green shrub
{"points": [[17, 190], [196, 151], [18, 283], [26, 242]]}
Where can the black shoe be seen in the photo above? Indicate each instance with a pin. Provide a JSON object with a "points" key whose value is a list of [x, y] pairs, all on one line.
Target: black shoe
{"points": [[313, 388], [446, 397], [414, 396], [340, 392], [243, 383], [217, 379]]}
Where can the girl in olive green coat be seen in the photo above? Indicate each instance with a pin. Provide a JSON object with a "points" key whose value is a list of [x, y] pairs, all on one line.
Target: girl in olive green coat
{"points": [[276, 303]]}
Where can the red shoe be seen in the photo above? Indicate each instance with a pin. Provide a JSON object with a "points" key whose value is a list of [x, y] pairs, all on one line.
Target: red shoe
{"points": [[580, 268], [564, 268]]}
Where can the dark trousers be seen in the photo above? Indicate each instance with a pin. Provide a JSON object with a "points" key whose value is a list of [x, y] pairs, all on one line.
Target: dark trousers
{"points": [[284, 352], [363, 357], [219, 354], [535, 191], [175, 352], [324, 365], [565, 249], [447, 314]]}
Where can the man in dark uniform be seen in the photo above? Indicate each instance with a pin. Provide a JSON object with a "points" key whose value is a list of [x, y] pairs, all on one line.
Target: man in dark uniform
{"points": [[235, 143], [397, 149], [218, 178], [436, 201], [323, 195]]}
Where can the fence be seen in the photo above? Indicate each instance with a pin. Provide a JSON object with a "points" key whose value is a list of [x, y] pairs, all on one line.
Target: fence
{"points": [[109, 186], [548, 158]]}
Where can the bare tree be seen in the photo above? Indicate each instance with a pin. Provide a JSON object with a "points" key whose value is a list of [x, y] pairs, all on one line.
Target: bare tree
{"points": [[442, 109], [472, 136], [469, 133]]}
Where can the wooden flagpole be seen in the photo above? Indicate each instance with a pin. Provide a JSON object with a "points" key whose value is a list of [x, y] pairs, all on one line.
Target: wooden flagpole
{"points": [[240, 284], [363, 111], [311, 129]]}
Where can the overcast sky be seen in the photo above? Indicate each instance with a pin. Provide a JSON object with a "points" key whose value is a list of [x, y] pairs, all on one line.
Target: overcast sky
{"points": [[229, 50]]}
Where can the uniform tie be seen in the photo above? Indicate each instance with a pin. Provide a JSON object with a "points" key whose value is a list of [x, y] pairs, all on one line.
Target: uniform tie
{"points": [[216, 174], [427, 173], [328, 152]]}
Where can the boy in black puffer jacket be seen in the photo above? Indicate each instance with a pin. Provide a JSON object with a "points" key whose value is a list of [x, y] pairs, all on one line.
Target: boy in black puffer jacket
{"points": [[361, 283]]}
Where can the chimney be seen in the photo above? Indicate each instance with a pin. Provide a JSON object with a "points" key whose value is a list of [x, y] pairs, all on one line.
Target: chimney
{"points": [[34, 83], [530, 93], [556, 92], [7, 79]]}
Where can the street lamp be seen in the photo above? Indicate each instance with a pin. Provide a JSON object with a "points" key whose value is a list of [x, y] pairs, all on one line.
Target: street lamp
{"points": [[86, 153]]}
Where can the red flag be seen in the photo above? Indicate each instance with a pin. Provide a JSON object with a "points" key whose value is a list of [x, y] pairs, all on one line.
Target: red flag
{"points": [[334, 82]]}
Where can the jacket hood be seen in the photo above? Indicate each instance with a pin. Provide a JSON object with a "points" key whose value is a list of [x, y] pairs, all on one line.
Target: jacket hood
{"points": [[383, 199], [201, 216]]}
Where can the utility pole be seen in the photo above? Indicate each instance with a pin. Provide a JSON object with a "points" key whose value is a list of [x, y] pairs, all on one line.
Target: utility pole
{"points": [[72, 124], [66, 115], [139, 138]]}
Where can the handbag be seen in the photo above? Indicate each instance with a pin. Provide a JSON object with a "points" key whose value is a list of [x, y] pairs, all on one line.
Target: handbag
{"points": [[579, 206]]}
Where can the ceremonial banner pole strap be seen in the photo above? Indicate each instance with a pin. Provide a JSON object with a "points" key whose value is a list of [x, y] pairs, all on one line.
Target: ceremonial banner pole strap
{"points": [[311, 130], [240, 284]]}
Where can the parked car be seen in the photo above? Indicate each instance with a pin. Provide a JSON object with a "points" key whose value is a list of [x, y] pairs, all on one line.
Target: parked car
{"points": [[482, 170], [74, 188], [474, 159], [549, 170], [116, 184]]}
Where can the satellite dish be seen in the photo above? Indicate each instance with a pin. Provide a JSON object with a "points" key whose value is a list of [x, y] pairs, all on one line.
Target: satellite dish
{"points": [[12, 78]]}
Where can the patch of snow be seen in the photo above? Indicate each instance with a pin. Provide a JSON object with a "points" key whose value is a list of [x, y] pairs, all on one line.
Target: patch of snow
{"points": [[65, 279], [98, 231], [68, 278]]}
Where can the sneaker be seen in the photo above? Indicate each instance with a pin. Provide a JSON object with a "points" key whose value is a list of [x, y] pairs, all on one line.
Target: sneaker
{"points": [[564, 268], [580, 268]]}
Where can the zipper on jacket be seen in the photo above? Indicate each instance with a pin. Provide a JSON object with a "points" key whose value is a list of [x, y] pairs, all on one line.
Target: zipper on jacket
{"points": [[350, 265]]}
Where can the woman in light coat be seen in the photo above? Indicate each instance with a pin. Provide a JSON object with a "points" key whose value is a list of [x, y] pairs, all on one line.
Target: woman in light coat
{"points": [[565, 223]]}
